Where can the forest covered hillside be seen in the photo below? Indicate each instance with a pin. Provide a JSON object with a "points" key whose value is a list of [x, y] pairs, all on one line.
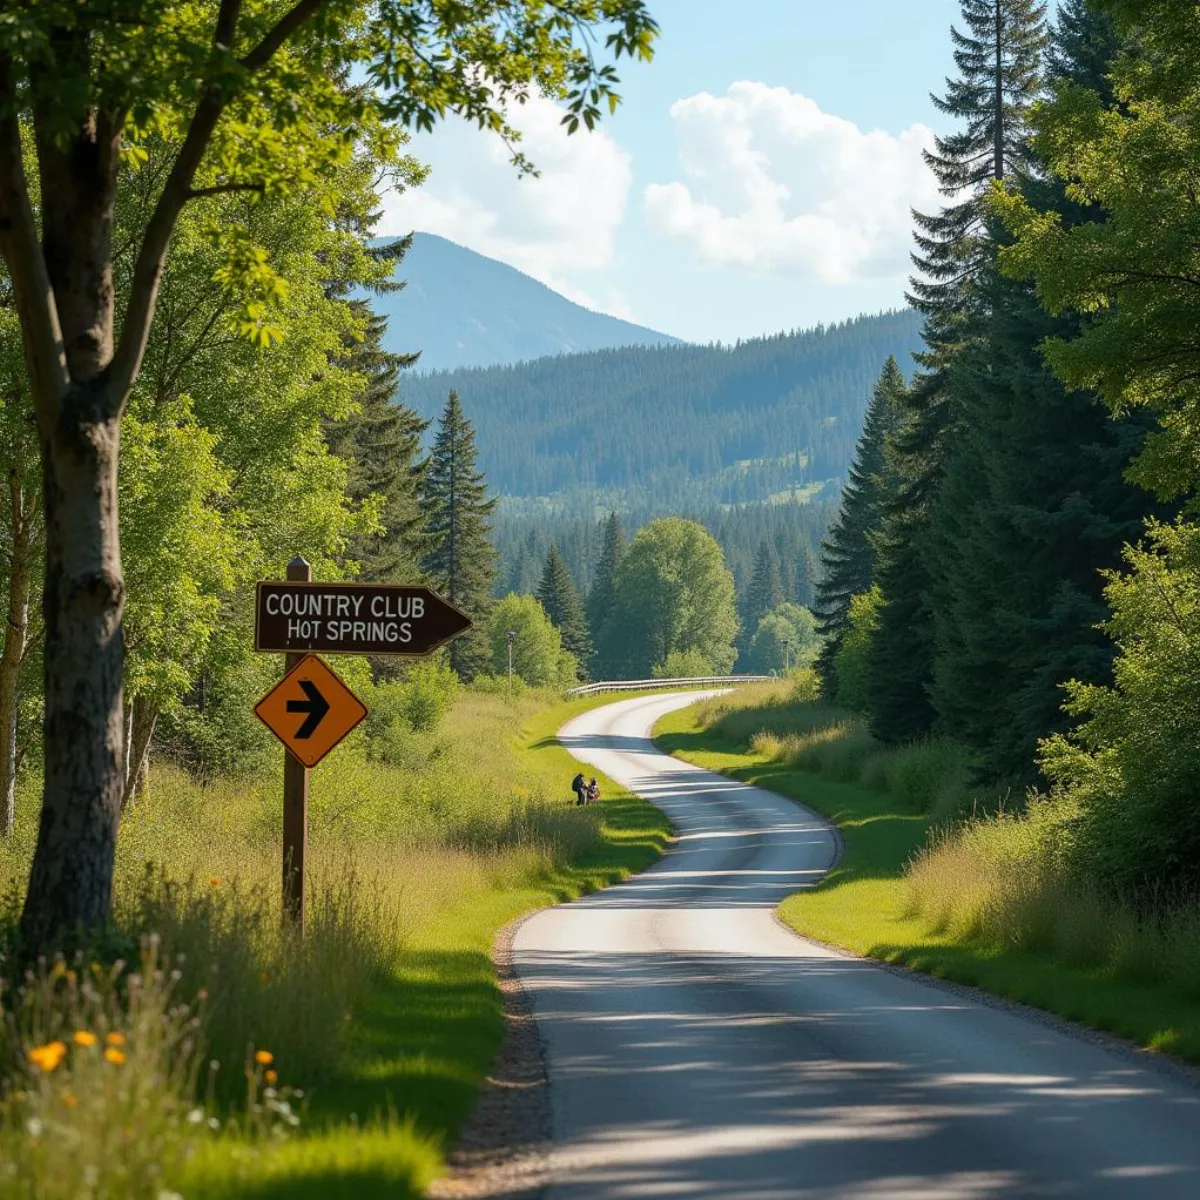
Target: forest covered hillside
{"points": [[685, 426], [463, 309]]}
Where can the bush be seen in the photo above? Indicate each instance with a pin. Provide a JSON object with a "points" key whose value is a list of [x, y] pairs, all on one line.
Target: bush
{"points": [[1132, 767], [851, 665], [684, 664], [537, 654], [785, 638], [431, 688]]}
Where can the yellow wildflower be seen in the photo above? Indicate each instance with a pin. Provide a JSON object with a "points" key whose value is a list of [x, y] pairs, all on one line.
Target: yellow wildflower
{"points": [[115, 1039], [47, 1057], [114, 1056], [215, 881], [264, 1057], [272, 1077], [84, 1037], [69, 1099]]}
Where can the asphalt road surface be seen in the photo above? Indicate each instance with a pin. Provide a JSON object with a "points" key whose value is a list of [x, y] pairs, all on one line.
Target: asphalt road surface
{"points": [[696, 1047]]}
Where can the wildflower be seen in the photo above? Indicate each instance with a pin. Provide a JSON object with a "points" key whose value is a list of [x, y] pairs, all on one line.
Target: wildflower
{"points": [[272, 1077], [215, 881], [84, 1037], [196, 1116], [115, 1039], [47, 1057], [34, 1127], [114, 1056], [69, 1099], [214, 1124], [264, 1057]]}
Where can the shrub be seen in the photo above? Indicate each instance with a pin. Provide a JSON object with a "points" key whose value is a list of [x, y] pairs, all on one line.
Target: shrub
{"points": [[684, 664], [850, 664]]}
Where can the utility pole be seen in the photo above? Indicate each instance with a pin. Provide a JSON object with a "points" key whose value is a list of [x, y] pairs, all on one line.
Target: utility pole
{"points": [[510, 637]]}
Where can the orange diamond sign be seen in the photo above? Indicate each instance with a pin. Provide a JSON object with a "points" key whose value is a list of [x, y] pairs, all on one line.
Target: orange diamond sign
{"points": [[310, 710]]}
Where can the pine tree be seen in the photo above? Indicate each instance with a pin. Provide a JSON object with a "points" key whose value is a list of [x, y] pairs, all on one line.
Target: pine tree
{"points": [[1033, 505], [602, 599], [999, 63], [381, 443], [764, 593], [560, 598], [459, 559], [848, 552]]}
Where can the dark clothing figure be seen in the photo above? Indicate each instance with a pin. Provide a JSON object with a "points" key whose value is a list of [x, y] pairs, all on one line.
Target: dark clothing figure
{"points": [[578, 787]]}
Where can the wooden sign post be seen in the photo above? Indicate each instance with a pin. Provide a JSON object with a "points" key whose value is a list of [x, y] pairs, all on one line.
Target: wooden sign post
{"points": [[310, 710], [295, 797]]}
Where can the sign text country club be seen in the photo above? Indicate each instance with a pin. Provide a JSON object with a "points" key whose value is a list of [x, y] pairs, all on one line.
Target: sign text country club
{"points": [[349, 618]]}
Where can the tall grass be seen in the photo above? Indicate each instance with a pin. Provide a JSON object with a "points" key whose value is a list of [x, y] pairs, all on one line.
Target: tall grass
{"points": [[400, 831], [783, 722], [995, 874], [1004, 882]]}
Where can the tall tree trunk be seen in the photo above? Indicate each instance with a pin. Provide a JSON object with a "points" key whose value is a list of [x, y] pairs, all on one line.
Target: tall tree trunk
{"points": [[141, 733], [998, 147], [16, 643], [83, 601]]}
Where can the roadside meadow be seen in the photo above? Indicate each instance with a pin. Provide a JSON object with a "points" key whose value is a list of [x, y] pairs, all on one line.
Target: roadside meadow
{"points": [[963, 883], [230, 1059]]}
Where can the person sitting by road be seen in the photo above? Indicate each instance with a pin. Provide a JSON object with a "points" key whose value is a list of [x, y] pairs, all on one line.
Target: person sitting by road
{"points": [[593, 791], [579, 788]]}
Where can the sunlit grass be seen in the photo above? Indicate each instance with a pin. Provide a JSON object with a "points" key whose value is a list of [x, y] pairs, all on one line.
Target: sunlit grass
{"points": [[984, 899], [386, 1014]]}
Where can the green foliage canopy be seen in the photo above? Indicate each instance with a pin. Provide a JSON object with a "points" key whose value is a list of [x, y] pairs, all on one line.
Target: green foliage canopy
{"points": [[674, 593]]}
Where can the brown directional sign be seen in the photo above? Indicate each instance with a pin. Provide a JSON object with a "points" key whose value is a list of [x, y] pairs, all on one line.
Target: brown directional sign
{"points": [[353, 618], [310, 710]]}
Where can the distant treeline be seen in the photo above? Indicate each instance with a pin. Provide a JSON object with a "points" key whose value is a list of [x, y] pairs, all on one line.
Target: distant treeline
{"points": [[676, 428], [792, 532]]}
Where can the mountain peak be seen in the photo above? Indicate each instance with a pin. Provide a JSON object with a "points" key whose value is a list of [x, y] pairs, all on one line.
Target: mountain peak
{"points": [[463, 309]]}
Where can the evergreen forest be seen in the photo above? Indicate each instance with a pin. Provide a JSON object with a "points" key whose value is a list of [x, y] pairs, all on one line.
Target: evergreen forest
{"points": [[675, 428]]}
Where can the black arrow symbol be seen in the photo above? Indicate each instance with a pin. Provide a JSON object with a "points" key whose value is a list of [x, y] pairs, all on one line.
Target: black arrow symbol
{"points": [[316, 706]]}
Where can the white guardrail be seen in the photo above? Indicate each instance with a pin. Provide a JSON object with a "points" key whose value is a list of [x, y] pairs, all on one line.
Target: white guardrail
{"points": [[646, 685]]}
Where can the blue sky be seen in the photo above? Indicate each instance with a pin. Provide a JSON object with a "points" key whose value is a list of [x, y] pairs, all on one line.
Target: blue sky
{"points": [[757, 178]]}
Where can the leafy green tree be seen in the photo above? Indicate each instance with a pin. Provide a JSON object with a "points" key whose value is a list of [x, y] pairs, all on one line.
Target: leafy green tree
{"points": [[786, 638], [999, 76], [1131, 272], [674, 592], [249, 97], [853, 665], [1132, 768], [538, 656], [602, 599], [459, 560], [848, 552], [560, 598], [263, 416]]}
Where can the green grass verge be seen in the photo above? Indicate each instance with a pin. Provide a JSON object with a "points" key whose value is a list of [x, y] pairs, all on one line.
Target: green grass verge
{"points": [[861, 905], [425, 1041]]}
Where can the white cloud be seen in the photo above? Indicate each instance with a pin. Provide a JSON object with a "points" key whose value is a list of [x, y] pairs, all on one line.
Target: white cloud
{"points": [[773, 184], [565, 220]]}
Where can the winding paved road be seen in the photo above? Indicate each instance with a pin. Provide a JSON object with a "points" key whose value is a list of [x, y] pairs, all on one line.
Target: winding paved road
{"points": [[695, 1047]]}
